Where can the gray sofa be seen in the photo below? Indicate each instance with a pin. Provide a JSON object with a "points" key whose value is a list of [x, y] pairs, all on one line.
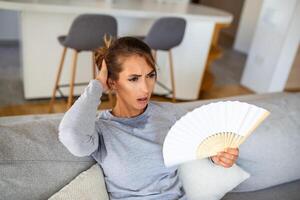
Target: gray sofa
{"points": [[35, 165]]}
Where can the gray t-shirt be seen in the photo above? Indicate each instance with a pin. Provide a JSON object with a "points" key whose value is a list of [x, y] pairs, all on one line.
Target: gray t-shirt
{"points": [[129, 150]]}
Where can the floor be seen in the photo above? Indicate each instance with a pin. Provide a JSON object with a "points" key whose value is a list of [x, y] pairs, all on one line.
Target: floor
{"points": [[227, 71]]}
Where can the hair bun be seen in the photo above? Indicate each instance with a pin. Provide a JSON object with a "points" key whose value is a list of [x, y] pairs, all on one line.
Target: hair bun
{"points": [[108, 39], [101, 52]]}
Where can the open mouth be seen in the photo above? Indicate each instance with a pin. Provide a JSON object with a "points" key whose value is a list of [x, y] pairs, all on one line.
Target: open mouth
{"points": [[143, 100]]}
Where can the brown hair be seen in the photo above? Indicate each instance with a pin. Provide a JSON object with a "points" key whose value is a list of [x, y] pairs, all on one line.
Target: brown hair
{"points": [[115, 51]]}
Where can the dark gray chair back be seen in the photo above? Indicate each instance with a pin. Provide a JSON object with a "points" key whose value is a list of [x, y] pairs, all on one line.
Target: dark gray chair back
{"points": [[87, 31], [166, 33]]}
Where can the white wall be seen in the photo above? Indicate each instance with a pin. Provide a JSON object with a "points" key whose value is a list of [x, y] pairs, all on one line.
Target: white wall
{"points": [[232, 6], [274, 46], [9, 29], [247, 25]]}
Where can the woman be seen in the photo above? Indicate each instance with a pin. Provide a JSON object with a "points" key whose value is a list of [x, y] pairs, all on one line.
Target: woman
{"points": [[127, 140]]}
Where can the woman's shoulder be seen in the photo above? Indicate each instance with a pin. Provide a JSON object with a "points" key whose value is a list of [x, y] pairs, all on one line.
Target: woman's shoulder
{"points": [[102, 117], [169, 107], [162, 105], [158, 103]]}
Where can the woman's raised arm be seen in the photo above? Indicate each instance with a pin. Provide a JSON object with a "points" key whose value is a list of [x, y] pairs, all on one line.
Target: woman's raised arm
{"points": [[77, 129]]}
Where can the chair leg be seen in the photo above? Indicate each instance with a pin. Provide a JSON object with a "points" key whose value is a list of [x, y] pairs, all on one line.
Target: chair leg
{"points": [[58, 74], [93, 65], [172, 76], [70, 99]]}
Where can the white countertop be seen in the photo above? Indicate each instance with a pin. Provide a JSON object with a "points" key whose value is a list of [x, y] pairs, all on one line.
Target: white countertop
{"points": [[127, 8]]}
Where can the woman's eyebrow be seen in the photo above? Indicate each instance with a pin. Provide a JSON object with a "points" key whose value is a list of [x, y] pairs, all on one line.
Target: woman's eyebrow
{"points": [[138, 75], [151, 72], [135, 75]]}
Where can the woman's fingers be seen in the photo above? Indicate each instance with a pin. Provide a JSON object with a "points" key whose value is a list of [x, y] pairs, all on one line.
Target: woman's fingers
{"points": [[103, 75], [233, 151], [226, 158], [103, 71], [217, 160], [226, 165]]}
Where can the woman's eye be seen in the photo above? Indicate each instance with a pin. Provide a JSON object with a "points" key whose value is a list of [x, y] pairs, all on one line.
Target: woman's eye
{"points": [[152, 75], [133, 79]]}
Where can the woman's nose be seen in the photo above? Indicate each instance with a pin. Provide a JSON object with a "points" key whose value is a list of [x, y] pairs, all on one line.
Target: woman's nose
{"points": [[145, 87]]}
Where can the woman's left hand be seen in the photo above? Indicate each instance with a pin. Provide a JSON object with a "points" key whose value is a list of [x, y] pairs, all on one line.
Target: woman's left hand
{"points": [[226, 158]]}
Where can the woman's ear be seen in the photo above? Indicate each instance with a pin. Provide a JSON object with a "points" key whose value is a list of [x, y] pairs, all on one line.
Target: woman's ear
{"points": [[111, 84]]}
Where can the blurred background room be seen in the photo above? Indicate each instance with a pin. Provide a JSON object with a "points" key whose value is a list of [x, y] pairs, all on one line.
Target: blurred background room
{"points": [[229, 48]]}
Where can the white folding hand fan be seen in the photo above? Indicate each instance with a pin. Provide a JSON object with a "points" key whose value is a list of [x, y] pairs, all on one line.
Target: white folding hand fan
{"points": [[209, 129]]}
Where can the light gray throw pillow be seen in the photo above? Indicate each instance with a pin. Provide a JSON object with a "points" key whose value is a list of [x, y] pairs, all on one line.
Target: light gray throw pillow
{"points": [[202, 179]]}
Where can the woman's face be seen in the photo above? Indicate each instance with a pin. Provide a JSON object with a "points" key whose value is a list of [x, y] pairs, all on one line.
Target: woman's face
{"points": [[135, 84]]}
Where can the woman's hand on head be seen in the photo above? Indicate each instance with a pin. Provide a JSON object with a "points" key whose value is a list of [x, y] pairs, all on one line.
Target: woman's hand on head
{"points": [[103, 76], [226, 158]]}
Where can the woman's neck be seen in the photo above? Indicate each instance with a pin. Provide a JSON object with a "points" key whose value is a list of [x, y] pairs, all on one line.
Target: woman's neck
{"points": [[126, 111]]}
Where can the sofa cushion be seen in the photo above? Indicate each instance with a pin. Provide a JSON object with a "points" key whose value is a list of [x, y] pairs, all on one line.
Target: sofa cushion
{"points": [[271, 153], [202, 179], [89, 184], [10, 120], [286, 191], [33, 163]]}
